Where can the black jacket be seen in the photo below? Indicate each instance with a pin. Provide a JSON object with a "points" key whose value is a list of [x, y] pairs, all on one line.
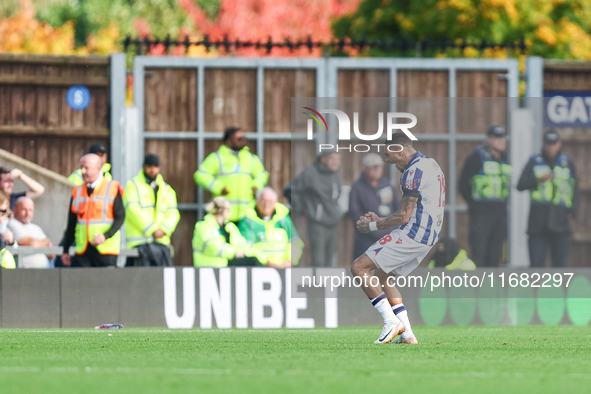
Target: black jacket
{"points": [[548, 217]]}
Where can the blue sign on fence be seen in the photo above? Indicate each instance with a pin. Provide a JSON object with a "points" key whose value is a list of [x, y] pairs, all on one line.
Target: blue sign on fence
{"points": [[78, 97], [567, 109]]}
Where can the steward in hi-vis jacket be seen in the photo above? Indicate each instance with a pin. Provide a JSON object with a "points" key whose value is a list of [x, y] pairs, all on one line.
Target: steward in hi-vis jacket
{"points": [[233, 172], [218, 243], [151, 212], [96, 215], [267, 226]]}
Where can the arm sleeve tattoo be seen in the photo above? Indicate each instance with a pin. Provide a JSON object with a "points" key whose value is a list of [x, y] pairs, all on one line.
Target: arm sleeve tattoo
{"points": [[407, 205]]}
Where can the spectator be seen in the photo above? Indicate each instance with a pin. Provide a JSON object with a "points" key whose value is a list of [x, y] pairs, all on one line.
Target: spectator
{"points": [[550, 177], [99, 150], [449, 255], [5, 214], [6, 258], [29, 234], [314, 193], [484, 183], [267, 227], [233, 172], [96, 215], [371, 192], [217, 242], [151, 214], [7, 185]]}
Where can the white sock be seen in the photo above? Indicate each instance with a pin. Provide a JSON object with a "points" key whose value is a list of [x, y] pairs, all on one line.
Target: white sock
{"points": [[383, 306], [401, 313]]}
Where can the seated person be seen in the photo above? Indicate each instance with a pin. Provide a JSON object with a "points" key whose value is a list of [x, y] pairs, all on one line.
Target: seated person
{"points": [[217, 242], [268, 228], [6, 258], [29, 234], [449, 255]]}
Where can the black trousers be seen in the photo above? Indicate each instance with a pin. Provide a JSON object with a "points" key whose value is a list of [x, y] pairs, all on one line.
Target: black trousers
{"points": [[488, 232], [559, 249], [92, 258]]}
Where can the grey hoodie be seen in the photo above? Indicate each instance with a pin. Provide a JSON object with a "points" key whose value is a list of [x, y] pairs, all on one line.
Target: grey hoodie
{"points": [[314, 193]]}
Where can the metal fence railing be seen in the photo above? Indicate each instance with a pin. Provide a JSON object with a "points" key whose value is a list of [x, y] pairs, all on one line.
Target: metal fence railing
{"points": [[404, 46], [18, 251]]}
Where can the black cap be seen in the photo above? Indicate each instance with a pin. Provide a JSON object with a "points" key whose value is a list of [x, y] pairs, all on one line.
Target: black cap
{"points": [[229, 131], [496, 131], [96, 148], [152, 160], [551, 137]]}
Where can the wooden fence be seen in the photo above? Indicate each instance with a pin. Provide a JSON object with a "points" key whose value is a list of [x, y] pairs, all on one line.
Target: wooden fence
{"points": [[37, 124]]}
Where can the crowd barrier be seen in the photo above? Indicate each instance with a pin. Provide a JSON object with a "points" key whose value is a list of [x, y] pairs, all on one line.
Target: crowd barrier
{"points": [[56, 250], [18, 251]]}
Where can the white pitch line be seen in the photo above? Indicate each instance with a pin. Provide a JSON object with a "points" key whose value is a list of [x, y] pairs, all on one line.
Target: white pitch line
{"points": [[247, 372]]}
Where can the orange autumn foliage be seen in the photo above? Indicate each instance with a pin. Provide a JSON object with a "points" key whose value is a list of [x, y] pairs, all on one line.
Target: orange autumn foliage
{"points": [[23, 33], [257, 20]]}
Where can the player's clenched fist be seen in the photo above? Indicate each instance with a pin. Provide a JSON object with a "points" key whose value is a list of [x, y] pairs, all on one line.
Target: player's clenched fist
{"points": [[363, 224], [372, 217]]}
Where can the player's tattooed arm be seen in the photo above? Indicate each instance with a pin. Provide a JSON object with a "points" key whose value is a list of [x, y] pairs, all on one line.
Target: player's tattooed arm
{"points": [[407, 205]]}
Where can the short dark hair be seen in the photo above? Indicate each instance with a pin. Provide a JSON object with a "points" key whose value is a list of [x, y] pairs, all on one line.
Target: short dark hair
{"points": [[4, 171], [152, 160], [400, 138], [230, 131]]}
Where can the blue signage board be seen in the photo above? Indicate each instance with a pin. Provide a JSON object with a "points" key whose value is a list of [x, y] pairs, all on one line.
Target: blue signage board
{"points": [[78, 97], [567, 109]]}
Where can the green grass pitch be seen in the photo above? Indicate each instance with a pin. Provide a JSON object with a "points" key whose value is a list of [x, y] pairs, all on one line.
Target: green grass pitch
{"points": [[524, 359]]}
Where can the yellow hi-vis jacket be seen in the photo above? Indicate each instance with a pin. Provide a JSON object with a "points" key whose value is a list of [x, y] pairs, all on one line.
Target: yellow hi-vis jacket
{"points": [[95, 216], [210, 248], [273, 238], [6, 259], [145, 212], [76, 176], [237, 173]]}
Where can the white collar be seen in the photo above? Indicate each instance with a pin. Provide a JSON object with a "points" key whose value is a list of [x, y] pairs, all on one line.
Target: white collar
{"points": [[94, 184]]}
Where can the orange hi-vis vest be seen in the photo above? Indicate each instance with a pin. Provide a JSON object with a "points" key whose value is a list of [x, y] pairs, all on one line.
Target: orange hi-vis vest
{"points": [[95, 216]]}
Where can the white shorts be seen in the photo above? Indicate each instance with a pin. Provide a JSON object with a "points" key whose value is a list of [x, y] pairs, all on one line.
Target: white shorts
{"points": [[397, 253]]}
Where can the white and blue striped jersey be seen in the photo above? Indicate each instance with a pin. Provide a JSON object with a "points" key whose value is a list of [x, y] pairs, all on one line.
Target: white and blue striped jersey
{"points": [[423, 175]]}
